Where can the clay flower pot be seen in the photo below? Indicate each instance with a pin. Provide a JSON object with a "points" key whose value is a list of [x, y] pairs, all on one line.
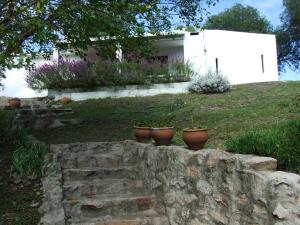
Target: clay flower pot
{"points": [[14, 103], [162, 135], [195, 138], [65, 100], [142, 134]]}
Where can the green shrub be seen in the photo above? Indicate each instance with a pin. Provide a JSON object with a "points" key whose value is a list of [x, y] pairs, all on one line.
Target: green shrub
{"points": [[28, 159], [281, 142], [210, 83]]}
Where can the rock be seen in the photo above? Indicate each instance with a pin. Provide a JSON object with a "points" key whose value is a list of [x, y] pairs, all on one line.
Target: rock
{"points": [[260, 163], [196, 222], [34, 204], [219, 218], [280, 212], [55, 124], [204, 187]]}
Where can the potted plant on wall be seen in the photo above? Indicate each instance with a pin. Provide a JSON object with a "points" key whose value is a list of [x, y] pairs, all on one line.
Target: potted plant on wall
{"points": [[142, 131], [14, 103], [195, 137], [163, 131]]}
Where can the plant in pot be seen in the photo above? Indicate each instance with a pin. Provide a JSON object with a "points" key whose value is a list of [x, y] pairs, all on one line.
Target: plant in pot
{"points": [[14, 103], [195, 137], [142, 131], [162, 131]]}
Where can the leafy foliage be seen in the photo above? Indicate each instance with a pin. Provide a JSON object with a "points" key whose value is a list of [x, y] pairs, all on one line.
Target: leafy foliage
{"points": [[281, 142], [29, 27], [240, 18], [78, 74], [211, 82], [28, 159], [288, 36]]}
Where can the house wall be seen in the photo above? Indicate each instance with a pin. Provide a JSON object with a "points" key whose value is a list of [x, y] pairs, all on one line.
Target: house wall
{"points": [[16, 86], [238, 53]]}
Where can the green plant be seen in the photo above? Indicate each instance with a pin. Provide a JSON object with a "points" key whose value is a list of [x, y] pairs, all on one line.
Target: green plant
{"points": [[164, 121], [211, 82], [143, 123], [281, 142], [18, 135], [28, 159]]}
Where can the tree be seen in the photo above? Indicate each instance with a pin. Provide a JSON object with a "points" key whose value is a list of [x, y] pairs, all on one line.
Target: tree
{"points": [[239, 18], [288, 36], [31, 27]]}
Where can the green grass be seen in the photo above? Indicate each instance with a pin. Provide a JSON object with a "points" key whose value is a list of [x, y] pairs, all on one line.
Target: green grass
{"points": [[281, 142], [227, 115]]}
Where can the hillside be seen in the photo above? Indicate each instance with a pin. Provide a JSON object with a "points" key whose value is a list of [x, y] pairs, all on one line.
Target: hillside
{"points": [[246, 107]]}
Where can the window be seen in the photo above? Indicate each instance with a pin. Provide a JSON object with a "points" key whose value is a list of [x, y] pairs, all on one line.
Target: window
{"points": [[161, 58], [217, 65], [262, 63], [194, 33]]}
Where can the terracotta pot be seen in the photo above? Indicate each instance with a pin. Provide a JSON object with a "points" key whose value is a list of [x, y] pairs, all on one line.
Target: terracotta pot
{"points": [[65, 100], [14, 103], [162, 135], [142, 134], [195, 138]]}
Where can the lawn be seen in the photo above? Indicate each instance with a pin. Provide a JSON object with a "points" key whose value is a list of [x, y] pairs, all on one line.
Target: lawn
{"points": [[245, 107]]}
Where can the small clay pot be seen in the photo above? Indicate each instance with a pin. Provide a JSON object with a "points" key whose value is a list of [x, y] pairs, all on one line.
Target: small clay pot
{"points": [[65, 100], [142, 134], [14, 103], [195, 138], [162, 135]]}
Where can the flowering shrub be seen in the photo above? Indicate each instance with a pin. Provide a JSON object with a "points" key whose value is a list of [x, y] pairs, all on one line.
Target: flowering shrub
{"points": [[210, 83], [63, 74], [79, 74]]}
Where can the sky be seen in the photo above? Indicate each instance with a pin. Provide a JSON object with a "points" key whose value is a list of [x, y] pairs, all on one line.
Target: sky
{"points": [[271, 9]]}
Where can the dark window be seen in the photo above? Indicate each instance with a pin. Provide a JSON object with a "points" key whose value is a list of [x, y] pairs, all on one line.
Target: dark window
{"points": [[217, 65], [194, 33], [262, 64], [162, 58]]}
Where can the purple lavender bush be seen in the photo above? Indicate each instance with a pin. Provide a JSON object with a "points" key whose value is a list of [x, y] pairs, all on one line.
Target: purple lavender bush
{"points": [[79, 74], [61, 75]]}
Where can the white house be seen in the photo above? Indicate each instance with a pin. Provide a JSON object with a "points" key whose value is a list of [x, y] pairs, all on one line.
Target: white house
{"points": [[242, 57]]}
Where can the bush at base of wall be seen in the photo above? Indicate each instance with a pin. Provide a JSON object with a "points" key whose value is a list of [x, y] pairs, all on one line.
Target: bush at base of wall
{"points": [[281, 142], [210, 83], [80, 74]]}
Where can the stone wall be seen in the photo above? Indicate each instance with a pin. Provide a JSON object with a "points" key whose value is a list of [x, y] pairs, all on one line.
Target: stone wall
{"points": [[212, 187]]}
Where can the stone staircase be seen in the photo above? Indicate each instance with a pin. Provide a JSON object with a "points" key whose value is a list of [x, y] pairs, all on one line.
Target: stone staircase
{"points": [[102, 186]]}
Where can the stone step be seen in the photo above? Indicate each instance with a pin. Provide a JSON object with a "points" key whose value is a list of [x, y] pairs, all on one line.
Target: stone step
{"points": [[89, 161], [90, 174], [128, 221], [112, 205], [102, 186], [89, 148]]}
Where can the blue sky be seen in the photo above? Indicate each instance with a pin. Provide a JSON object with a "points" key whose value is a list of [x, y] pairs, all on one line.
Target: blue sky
{"points": [[269, 8]]}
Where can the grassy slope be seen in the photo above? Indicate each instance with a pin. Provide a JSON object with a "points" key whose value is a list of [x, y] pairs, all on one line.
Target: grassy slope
{"points": [[245, 107]]}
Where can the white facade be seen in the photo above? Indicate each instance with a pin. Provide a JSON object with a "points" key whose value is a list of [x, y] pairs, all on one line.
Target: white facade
{"points": [[242, 57]]}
